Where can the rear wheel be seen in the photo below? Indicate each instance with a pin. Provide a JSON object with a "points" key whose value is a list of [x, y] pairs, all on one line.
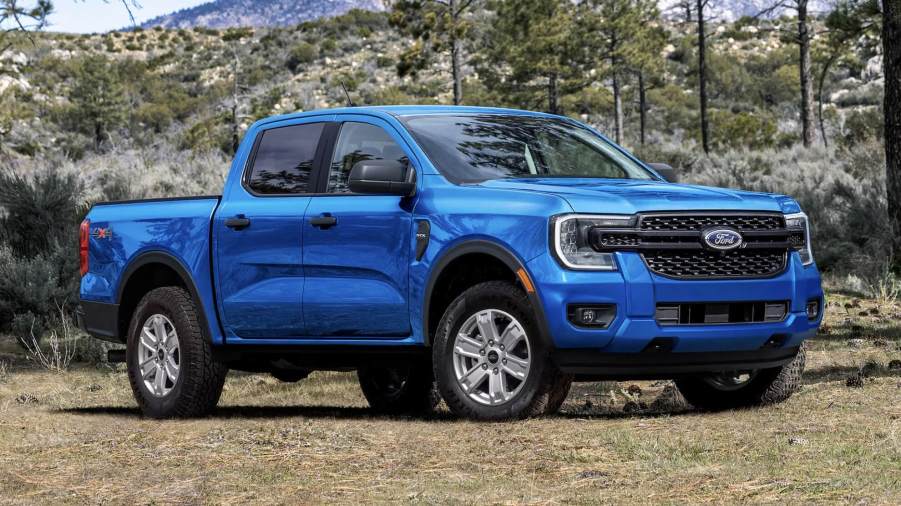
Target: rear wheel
{"points": [[400, 390], [739, 389], [489, 361], [170, 365]]}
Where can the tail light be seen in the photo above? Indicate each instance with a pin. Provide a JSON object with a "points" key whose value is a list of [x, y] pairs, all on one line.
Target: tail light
{"points": [[84, 234]]}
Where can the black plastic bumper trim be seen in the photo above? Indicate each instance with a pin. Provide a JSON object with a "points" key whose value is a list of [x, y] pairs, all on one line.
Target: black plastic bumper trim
{"points": [[99, 319], [590, 364]]}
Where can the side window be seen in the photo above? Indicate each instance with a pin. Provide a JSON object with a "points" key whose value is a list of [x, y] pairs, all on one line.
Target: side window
{"points": [[284, 159], [358, 142]]}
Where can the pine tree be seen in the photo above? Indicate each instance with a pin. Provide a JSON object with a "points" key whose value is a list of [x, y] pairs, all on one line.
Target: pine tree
{"points": [[96, 98], [628, 35], [535, 46], [439, 27]]}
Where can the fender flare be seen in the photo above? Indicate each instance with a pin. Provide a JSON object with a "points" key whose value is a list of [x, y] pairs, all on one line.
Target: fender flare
{"points": [[171, 261], [497, 251]]}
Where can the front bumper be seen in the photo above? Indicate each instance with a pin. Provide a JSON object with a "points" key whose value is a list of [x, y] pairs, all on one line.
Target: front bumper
{"points": [[589, 364], [636, 291]]}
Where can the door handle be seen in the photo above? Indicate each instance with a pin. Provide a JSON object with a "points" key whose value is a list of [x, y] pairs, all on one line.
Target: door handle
{"points": [[239, 222], [324, 221]]}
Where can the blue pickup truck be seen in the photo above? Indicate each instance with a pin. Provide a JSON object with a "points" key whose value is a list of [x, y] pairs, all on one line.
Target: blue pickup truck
{"points": [[486, 257]]}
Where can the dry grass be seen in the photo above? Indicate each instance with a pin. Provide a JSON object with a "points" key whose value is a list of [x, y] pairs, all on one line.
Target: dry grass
{"points": [[76, 437]]}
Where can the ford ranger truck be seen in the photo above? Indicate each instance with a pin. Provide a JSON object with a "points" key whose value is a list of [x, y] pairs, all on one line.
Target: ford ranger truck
{"points": [[486, 257]]}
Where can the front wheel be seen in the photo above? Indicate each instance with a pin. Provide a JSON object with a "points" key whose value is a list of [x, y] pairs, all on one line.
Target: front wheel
{"points": [[490, 362], [741, 389], [170, 365]]}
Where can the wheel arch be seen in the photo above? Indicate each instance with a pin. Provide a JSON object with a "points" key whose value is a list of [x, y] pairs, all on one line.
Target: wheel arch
{"points": [[502, 264], [147, 271]]}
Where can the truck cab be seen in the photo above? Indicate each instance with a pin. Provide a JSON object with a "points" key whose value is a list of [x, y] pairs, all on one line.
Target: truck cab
{"points": [[489, 257]]}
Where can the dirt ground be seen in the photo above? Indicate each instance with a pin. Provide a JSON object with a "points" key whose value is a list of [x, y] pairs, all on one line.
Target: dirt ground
{"points": [[76, 437]]}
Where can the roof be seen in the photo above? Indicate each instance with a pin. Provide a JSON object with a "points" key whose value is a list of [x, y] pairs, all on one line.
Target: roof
{"points": [[404, 110]]}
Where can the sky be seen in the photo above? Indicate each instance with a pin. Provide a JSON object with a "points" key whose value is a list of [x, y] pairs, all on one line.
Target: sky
{"points": [[89, 16]]}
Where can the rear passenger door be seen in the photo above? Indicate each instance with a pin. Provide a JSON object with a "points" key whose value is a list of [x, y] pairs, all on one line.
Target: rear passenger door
{"points": [[357, 247], [258, 233]]}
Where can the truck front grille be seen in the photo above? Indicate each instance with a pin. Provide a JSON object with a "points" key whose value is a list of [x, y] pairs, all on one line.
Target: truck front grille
{"points": [[702, 221], [707, 264], [672, 244]]}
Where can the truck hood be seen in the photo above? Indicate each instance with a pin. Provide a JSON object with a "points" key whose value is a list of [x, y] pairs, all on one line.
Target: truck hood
{"points": [[627, 196]]}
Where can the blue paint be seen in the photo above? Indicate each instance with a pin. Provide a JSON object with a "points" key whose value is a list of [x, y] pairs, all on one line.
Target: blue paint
{"points": [[282, 281]]}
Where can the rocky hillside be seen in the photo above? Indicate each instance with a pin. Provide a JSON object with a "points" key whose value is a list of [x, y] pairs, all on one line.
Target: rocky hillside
{"points": [[259, 13], [270, 13]]}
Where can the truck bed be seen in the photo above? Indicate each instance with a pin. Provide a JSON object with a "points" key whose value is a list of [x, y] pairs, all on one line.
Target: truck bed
{"points": [[125, 235]]}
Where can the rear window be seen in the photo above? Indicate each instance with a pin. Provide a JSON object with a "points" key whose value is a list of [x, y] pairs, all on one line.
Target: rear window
{"points": [[284, 157]]}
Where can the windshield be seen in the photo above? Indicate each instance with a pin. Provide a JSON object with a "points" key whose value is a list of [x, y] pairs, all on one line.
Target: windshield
{"points": [[494, 146]]}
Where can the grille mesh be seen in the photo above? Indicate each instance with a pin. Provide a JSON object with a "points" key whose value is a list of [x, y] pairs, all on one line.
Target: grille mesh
{"points": [[707, 264], [701, 222]]}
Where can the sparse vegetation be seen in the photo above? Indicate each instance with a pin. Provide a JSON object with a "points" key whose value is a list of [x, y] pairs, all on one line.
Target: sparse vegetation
{"points": [[315, 441]]}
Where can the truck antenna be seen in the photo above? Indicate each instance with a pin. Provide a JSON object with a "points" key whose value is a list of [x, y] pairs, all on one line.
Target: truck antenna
{"points": [[350, 103]]}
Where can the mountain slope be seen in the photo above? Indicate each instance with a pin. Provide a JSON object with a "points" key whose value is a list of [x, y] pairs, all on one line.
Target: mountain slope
{"points": [[258, 13]]}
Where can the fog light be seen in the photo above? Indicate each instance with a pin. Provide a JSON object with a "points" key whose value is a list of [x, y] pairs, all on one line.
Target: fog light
{"points": [[813, 309], [591, 315]]}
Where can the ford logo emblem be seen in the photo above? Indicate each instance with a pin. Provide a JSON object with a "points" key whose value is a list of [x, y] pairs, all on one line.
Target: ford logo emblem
{"points": [[722, 239]]}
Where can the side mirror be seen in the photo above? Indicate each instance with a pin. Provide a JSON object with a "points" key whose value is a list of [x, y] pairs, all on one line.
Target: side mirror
{"points": [[384, 177], [666, 171]]}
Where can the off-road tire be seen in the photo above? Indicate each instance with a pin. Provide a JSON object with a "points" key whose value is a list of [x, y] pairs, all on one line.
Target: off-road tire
{"points": [[559, 395], [416, 394], [769, 386], [200, 378], [545, 387]]}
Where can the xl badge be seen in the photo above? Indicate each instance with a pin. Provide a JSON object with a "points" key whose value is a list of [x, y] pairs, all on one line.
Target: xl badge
{"points": [[722, 239]]}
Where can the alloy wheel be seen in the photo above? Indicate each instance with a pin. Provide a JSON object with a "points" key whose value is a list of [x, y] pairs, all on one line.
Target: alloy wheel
{"points": [[159, 359], [492, 357]]}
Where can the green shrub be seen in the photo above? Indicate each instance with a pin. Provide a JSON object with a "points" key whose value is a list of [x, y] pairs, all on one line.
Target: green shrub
{"points": [[743, 130], [301, 54]]}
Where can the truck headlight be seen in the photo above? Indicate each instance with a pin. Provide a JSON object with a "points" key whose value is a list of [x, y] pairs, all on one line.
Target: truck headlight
{"points": [[800, 237], [570, 234]]}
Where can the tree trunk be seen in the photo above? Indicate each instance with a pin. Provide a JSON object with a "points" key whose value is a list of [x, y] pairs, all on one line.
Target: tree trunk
{"points": [[98, 135], [456, 56], [642, 107], [617, 110], [456, 70], [891, 51], [552, 95], [702, 77], [821, 83], [808, 134]]}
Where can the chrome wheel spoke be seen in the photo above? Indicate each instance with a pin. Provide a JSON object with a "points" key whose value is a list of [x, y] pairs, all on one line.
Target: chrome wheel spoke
{"points": [[159, 329], [148, 340], [159, 383], [497, 388], [148, 369], [511, 336], [467, 347], [487, 328], [516, 367], [472, 379], [171, 369]]}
